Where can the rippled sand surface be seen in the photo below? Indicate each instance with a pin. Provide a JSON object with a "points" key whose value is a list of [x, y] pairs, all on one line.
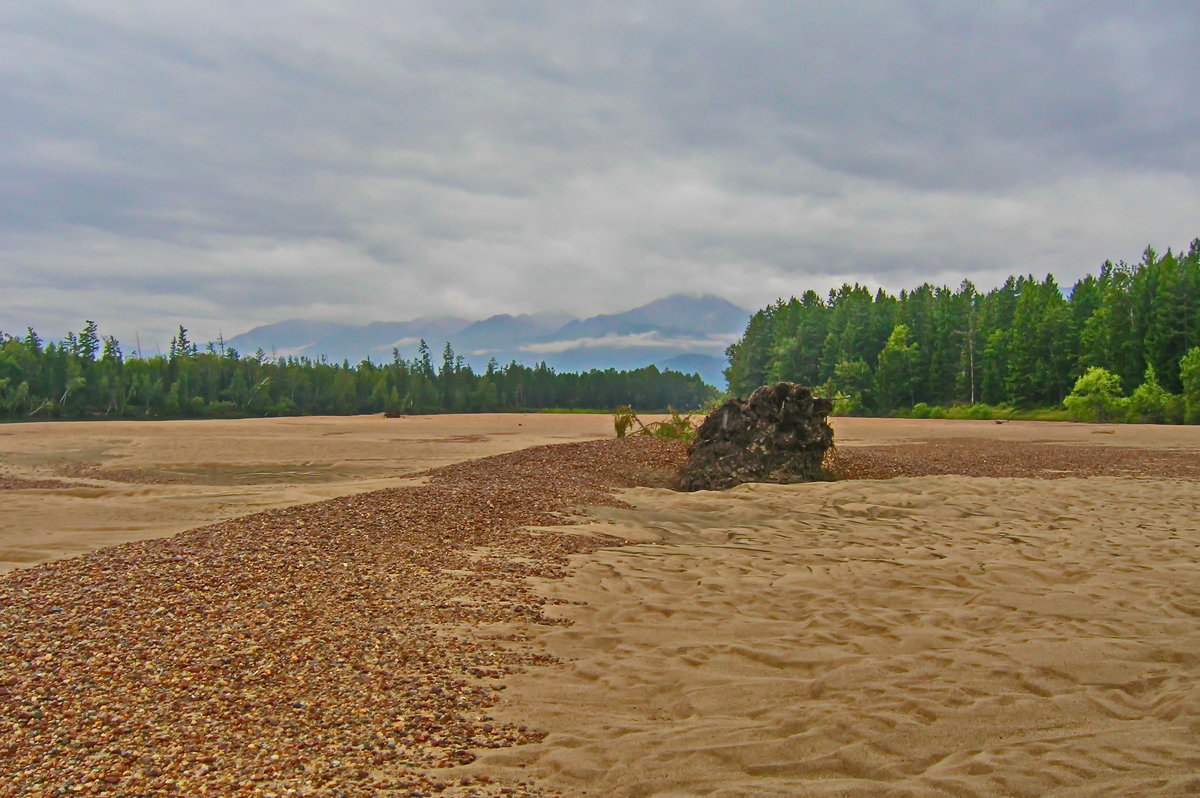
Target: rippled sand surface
{"points": [[939, 635]]}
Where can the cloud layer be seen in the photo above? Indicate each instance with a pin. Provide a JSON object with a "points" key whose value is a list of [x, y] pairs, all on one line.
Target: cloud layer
{"points": [[223, 165], [646, 340]]}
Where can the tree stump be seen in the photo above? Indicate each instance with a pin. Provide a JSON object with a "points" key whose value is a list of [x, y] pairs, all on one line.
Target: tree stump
{"points": [[777, 435]]}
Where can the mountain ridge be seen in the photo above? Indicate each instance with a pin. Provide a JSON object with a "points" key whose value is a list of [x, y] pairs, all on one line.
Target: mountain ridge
{"points": [[682, 329]]}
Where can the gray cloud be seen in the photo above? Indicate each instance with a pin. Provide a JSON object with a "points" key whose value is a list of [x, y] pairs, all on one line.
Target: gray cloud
{"points": [[224, 165]]}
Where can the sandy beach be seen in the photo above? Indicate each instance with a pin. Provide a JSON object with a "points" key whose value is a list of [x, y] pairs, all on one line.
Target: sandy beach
{"points": [[922, 636], [71, 487], [940, 635], [96, 484], [985, 609]]}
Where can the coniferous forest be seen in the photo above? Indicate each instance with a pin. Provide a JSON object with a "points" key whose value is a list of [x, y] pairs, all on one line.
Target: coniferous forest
{"points": [[1123, 344], [86, 375]]}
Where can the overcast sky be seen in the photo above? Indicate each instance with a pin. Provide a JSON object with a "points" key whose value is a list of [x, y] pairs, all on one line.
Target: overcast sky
{"points": [[223, 165]]}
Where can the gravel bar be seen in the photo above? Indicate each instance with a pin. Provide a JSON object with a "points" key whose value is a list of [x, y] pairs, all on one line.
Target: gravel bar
{"points": [[987, 457], [334, 648]]}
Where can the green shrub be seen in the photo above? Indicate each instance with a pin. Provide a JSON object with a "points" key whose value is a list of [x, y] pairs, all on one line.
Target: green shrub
{"points": [[976, 411], [848, 405], [678, 426], [223, 409], [1150, 403], [623, 420], [1173, 413], [1096, 397], [979, 411], [1189, 374]]}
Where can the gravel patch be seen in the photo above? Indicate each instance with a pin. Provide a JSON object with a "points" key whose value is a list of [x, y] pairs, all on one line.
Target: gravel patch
{"points": [[345, 647], [9, 482], [984, 457]]}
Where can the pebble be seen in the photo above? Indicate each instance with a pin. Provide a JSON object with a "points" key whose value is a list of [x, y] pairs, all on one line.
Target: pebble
{"points": [[978, 457], [300, 650]]}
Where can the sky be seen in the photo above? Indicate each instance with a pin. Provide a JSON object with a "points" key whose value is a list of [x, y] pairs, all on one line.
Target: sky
{"points": [[223, 165]]}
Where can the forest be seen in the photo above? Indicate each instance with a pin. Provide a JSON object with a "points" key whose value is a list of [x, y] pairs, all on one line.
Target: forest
{"points": [[1123, 344], [1131, 333], [86, 375]]}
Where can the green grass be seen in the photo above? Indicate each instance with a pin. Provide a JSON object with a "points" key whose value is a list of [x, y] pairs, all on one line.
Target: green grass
{"points": [[1047, 414]]}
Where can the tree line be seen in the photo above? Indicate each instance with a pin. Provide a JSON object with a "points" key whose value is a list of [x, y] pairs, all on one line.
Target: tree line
{"points": [[1024, 344], [86, 375]]}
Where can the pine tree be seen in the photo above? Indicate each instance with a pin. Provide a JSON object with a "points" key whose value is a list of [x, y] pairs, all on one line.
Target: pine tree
{"points": [[88, 342], [896, 375]]}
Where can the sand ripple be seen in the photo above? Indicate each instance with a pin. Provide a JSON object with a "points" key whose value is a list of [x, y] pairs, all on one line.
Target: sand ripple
{"points": [[935, 636]]}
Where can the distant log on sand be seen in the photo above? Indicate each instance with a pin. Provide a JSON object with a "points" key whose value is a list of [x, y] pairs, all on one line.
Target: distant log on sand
{"points": [[778, 435]]}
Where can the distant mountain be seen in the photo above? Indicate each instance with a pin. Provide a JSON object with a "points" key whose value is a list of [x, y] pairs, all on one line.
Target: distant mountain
{"points": [[286, 338], [710, 367], [683, 332], [339, 342], [681, 314], [506, 333]]}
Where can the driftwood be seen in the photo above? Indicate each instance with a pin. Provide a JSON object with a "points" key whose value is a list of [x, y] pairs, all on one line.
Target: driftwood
{"points": [[777, 435]]}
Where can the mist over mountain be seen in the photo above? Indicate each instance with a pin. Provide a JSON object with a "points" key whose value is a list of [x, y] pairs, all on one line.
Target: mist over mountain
{"points": [[335, 341], [683, 332]]}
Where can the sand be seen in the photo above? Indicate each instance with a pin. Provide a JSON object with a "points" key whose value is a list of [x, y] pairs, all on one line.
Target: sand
{"points": [[71, 487], [963, 633], [925, 636], [67, 488]]}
